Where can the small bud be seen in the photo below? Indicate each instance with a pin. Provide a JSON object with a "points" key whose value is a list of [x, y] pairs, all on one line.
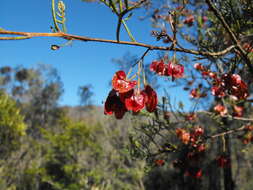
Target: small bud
{"points": [[55, 47]]}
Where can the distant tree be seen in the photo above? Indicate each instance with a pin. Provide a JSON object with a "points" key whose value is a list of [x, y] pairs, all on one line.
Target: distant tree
{"points": [[37, 91], [12, 126], [85, 93]]}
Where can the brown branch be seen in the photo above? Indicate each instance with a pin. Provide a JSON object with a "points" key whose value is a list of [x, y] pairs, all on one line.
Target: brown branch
{"points": [[228, 116], [218, 14], [118, 27], [15, 38], [28, 35], [227, 132]]}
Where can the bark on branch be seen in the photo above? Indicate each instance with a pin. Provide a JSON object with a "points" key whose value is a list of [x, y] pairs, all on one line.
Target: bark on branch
{"points": [[13, 35]]}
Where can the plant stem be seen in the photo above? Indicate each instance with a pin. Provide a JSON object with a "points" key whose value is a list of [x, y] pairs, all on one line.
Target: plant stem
{"points": [[54, 17], [128, 31]]}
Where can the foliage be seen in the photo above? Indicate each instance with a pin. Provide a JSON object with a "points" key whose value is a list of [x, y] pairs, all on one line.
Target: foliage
{"points": [[71, 155], [85, 94], [12, 125], [36, 90]]}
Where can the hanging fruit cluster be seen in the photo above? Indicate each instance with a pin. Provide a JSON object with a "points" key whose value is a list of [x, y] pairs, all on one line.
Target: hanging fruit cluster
{"points": [[170, 69], [189, 162], [226, 85], [126, 94], [125, 97]]}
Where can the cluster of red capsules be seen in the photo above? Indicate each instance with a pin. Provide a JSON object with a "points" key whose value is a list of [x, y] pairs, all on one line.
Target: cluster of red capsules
{"points": [[124, 97], [192, 138], [196, 93], [189, 20], [248, 47], [189, 163], [170, 69], [222, 110], [227, 84]]}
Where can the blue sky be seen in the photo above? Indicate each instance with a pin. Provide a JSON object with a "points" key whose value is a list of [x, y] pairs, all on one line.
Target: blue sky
{"points": [[82, 62]]}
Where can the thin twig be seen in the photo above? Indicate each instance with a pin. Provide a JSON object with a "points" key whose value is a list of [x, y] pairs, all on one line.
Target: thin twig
{"points": [[144, 54], [128, 31], [228, 116], [119, 26], [227, 132]]}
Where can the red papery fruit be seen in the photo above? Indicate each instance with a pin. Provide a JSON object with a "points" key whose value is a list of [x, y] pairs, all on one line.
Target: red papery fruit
{"points": [[124, 96], [159, 162], [114, 105], [198, 174], [223, 161], [222, 110], [199, 67], [120, 83], [240, 90], [159, 67], [175, 70], [185, 138], [235, 86], [235, 79], [136, 102], [183, 135], [218, 91], [109, 103], [238, 111], [205, 74], [212, 75], [189, 20], [198, 131], [201, 148], [248, 47], [170, 69], [195, 173], [227, 84], [195, 93], [119, 110], [151, 99], [190, 117], [231, 81], [153, 65]]}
